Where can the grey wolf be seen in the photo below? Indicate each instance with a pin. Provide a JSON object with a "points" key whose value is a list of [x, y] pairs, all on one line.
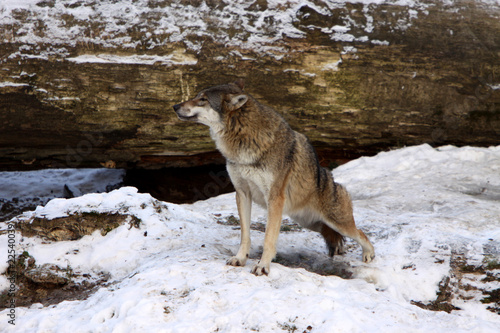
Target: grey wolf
{"points": [[275, 167]]}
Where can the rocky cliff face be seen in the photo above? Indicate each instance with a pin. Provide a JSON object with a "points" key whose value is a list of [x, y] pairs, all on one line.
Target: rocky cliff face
{"points": [[86, 83]]}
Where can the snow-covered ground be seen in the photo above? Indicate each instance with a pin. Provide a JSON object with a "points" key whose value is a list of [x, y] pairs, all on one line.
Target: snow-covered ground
{"points": [[419, 205]]}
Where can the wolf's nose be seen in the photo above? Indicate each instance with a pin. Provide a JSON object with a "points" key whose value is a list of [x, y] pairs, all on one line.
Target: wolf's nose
{"points": [[177, 107]]}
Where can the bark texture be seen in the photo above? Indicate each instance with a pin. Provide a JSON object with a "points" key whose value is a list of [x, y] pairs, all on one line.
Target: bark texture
{"points": [[400, 76]]}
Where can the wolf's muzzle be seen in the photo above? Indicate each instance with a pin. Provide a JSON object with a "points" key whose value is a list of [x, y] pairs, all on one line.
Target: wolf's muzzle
{"points": [[179, 111]]}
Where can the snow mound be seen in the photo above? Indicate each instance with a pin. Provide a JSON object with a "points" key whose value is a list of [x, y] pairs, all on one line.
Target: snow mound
{"points": [[420, 206]]}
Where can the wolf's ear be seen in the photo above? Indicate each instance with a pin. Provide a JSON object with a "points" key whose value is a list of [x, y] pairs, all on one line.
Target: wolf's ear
{"points": [[237, 101], [240, 83]]}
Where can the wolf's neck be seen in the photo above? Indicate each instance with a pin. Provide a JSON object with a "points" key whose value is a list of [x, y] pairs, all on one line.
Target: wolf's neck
{"points": [[240, 141]]}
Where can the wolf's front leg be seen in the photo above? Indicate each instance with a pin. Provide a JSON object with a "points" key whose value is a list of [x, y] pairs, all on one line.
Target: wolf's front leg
{"points": [[244, 203], [274, 214]]}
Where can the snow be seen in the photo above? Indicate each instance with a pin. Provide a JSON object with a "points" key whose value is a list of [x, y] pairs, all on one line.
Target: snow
{"points": [[419, 205], [13, 84], [146, 24], [152, 25], [379, 42], [109, 23], [134, 59]]}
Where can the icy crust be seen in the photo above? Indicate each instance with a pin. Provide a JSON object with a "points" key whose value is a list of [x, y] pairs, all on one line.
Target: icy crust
{"points": [[418, 205], [21, 190], [150, 24], [48, 184]]}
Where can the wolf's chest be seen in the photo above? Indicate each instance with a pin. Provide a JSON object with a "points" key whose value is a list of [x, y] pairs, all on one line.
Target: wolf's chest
{"points": [[255, 179]]}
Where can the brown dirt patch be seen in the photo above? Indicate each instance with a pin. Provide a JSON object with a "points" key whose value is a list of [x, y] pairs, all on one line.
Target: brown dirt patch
{"points": [[457, 286], [49, 283]]}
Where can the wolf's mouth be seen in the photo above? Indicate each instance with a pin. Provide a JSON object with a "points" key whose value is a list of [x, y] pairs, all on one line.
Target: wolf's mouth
{"points": [[178, 111], [187, 118]]}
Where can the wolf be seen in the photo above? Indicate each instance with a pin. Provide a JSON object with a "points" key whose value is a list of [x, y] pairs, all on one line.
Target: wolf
{"points": [[276, 167]]}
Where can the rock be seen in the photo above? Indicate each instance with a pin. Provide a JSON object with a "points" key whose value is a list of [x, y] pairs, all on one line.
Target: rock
{"points": [[47, 274], [356, 78], [75, 226]]}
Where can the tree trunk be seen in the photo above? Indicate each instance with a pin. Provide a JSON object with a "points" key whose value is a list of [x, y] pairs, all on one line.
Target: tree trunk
{"points": [[80, 91]]}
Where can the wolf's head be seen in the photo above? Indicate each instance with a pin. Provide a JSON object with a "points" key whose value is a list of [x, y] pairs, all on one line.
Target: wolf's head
{"points": [[210, 105]]}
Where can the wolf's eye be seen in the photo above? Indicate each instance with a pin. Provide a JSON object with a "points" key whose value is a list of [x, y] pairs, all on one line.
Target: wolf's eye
{"points": [[203, 99]]}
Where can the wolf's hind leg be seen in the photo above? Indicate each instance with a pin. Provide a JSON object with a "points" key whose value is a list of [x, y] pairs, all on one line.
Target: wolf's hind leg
{"points": [[359, 236], [339, 217], [244, 203], [334, 240]]}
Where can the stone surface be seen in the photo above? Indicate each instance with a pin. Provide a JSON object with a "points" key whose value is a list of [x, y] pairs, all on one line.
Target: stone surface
{"points": [[47, 274], [75, 226], [356, 79]]}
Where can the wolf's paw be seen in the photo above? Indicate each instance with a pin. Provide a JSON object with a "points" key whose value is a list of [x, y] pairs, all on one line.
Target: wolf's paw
{"points": [[235, 261], [335, 250], [261, 269], [368, 256]]}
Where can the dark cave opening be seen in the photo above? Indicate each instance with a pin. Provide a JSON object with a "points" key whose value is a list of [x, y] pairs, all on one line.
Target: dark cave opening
{"points": [[181, 185]]}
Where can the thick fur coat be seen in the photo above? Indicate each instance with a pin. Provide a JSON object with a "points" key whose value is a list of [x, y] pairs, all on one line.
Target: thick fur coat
{"points": [[276, 167]]}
